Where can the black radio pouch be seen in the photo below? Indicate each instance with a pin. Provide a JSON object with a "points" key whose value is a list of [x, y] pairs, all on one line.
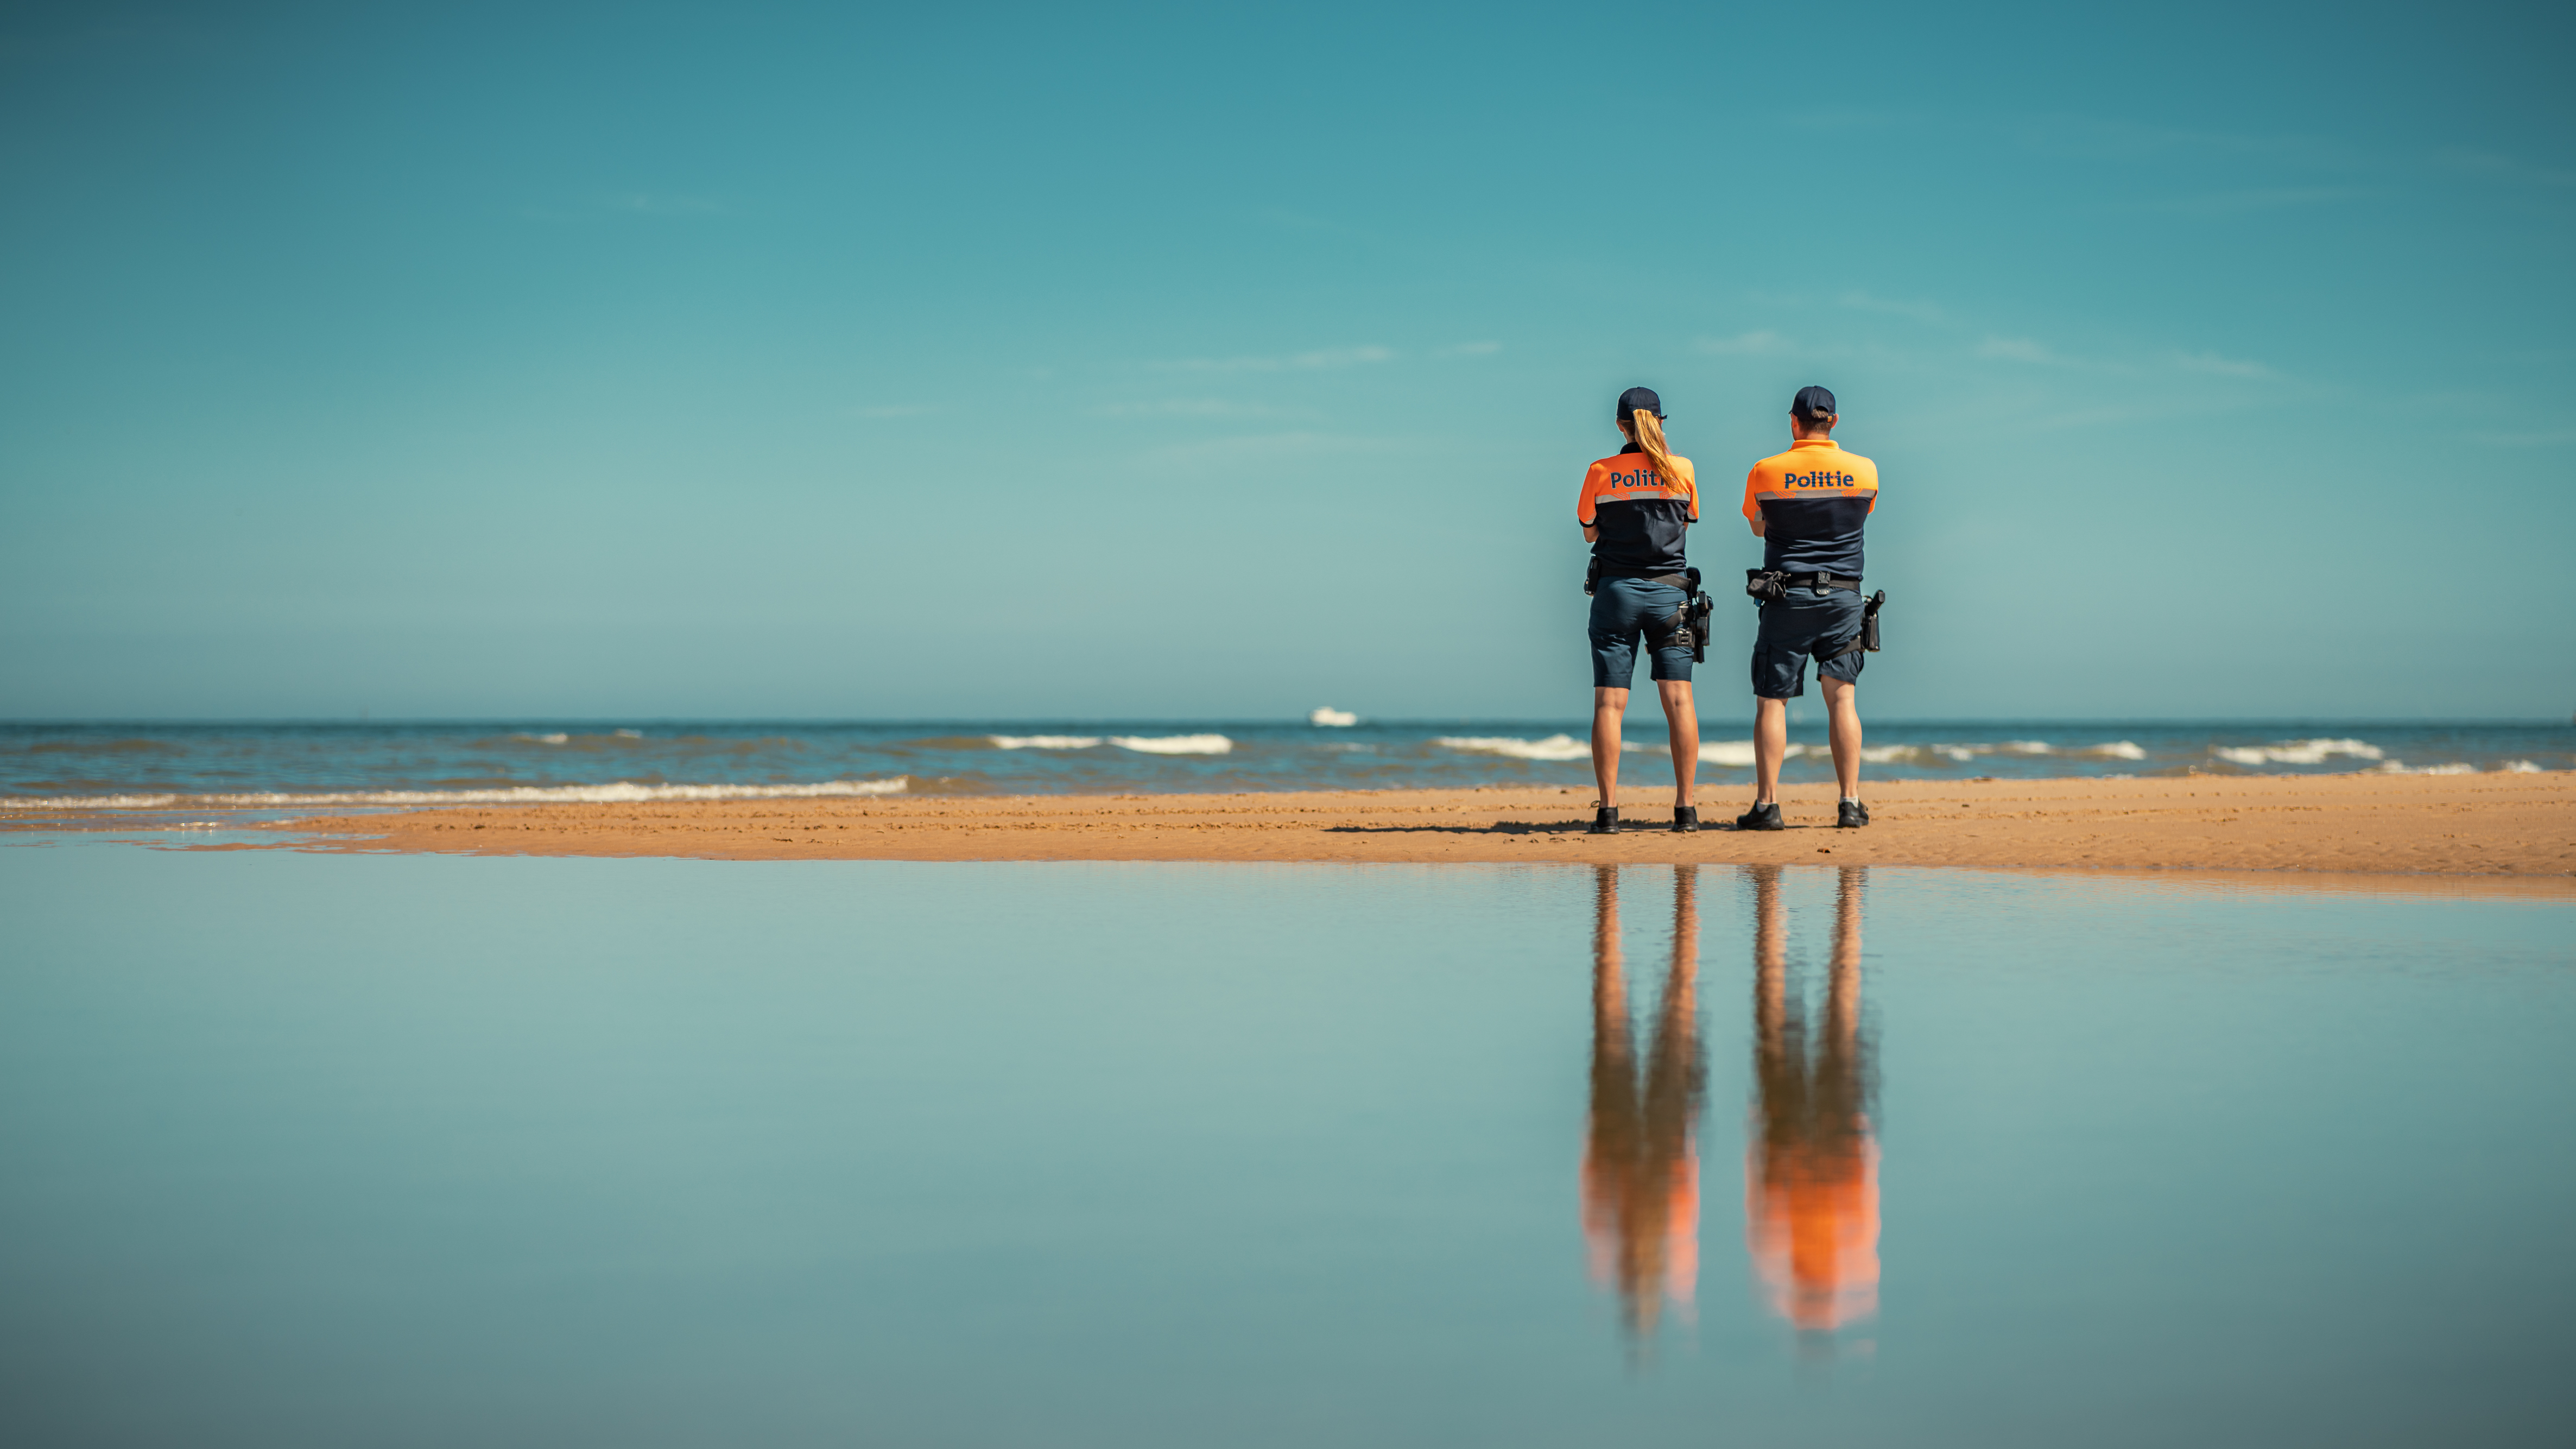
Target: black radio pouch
{"points": [[1763, 586], [1591, 575]]}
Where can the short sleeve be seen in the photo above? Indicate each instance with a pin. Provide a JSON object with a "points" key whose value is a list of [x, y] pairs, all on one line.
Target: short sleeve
{"points": [[1584, 511], [1690, 485], [1752, 481]]}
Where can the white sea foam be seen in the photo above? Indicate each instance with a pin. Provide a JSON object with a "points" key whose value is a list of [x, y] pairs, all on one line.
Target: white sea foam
{"points": [[1554, 747], [556, 739], [1733, 754], [2518, 767], [87, 802], [1738, 754], [1174, 744], [619, 792], [1043, 742], [630, 734], [1327, 717], [2399, 767], [2297, 752]]}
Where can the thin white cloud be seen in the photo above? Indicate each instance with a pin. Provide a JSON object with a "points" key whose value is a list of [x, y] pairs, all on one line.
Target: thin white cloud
{"points": [[1329, 357], [1281, 216], [1198, 407], [1920, 311], [664, 203], [1744, 344], [2504, 168], [2261, 198], [2019, 349], [2222, 366], [1257, 448]]}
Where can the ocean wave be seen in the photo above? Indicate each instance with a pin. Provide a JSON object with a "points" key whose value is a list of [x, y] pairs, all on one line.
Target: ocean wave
{"points": [[1174, 744], [2518, 767], [1043, 742], [1554, 747], [619, 792], [1733, 754], [1738, 754], [1327, 717], [554, 739], [2399, 767], [2297, 752]]}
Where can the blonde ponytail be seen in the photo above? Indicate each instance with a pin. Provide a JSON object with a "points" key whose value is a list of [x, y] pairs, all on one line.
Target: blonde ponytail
{"points": [[1650, 436]]}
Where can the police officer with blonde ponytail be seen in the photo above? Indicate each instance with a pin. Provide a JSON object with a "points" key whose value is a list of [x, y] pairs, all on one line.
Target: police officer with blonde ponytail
{"points": [[1634, 508]]}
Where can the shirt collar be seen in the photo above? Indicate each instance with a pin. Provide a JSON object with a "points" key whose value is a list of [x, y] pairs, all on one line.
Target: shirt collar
{"points": [[1634, 448], [1813, 443]]}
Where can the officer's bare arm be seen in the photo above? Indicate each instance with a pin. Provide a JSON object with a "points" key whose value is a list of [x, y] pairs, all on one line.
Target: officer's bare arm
{"points": [[1592, 535], [1756, 521]]}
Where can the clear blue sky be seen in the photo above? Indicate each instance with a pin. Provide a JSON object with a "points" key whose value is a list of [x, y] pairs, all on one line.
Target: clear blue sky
{"points": [[1221, 362]]}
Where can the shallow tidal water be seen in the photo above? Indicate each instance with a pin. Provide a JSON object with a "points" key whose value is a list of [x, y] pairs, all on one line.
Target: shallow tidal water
{"points": [[360, 1150]]}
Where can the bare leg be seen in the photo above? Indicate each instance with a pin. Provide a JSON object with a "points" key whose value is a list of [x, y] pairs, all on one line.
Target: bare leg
{"points": [[1681, 721], [1770, 747], [1842, 701], [1607, 706]]}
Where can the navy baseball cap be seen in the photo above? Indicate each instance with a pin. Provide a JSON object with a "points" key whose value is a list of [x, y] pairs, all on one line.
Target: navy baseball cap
{"points": [[1636, 399], [1813, 404]]}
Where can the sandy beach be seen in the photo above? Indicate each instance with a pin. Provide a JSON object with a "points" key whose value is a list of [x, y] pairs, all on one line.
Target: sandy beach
{"points": [[2496, 825]]}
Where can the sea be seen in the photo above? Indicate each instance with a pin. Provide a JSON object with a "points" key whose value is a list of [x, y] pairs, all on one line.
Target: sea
{"points": [[56, 770]]}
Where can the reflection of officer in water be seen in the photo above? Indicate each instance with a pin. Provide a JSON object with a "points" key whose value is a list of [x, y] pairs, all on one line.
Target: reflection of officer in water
{"points": [[1811, 1164], [1640, 1168]]}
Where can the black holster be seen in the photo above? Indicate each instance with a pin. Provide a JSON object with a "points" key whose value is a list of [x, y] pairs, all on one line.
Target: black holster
{"points": [[1867, 638], [1687, 626], [1591, 575]]}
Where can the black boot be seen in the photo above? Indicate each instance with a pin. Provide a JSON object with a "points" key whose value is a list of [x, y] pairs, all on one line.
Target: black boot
{"points": [[1685, 819], [1761, 817], [1605, 821]]}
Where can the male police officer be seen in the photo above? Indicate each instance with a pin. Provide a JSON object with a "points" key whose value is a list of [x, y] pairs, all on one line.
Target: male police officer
{"points": [[1809, 506]]}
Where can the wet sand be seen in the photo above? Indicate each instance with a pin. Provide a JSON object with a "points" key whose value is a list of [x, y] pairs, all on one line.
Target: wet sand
{"points": [[2491, 825]]}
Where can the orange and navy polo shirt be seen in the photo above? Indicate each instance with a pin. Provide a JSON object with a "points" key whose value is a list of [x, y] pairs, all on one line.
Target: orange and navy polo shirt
{"points": [[1640, 515], [1813, 501]]}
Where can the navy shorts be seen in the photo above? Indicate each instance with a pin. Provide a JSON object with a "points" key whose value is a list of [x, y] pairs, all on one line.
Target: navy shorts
{"points": [[1622, 610], [1800, 623]]}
